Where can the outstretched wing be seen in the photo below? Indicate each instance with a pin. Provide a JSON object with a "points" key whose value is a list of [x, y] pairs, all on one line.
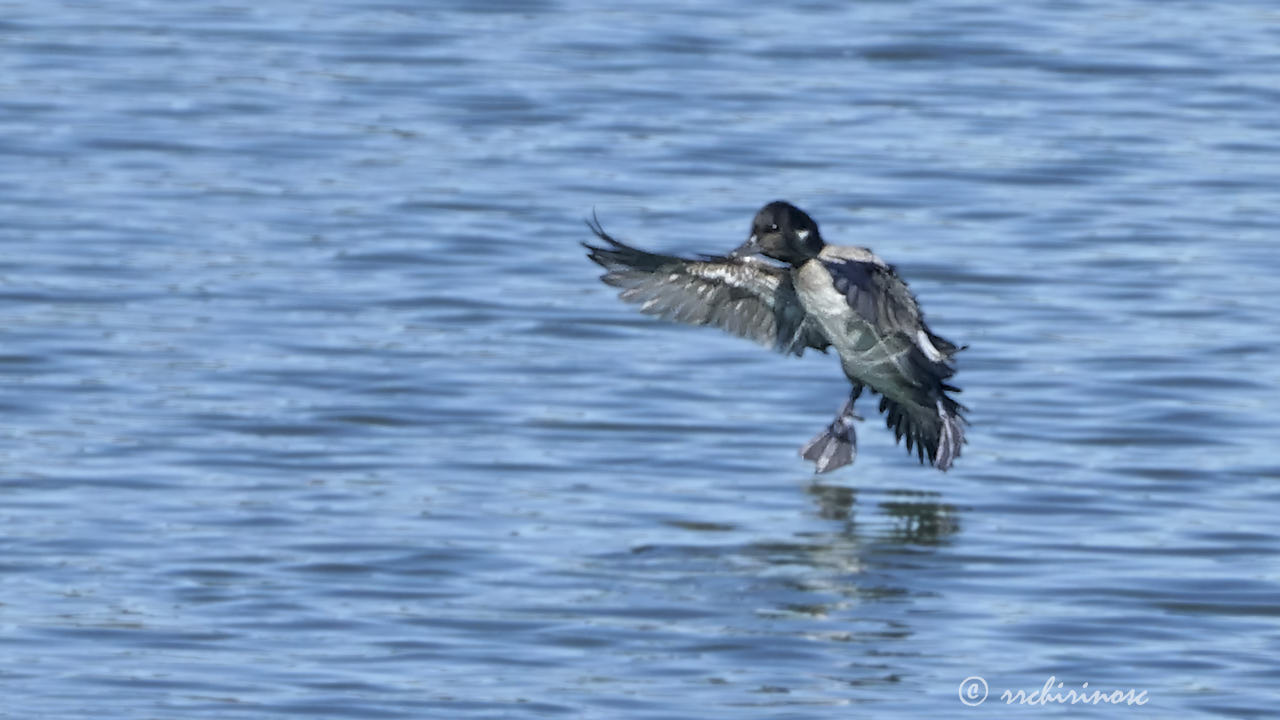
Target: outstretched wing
{"points": [[750, 299], [903, 360]]}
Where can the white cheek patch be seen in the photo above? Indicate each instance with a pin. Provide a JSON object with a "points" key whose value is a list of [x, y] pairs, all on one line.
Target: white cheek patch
{"points": [[802, 234]]}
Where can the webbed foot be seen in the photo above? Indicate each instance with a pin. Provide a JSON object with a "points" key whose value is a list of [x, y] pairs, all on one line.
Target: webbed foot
{"points": [[837, 445]]}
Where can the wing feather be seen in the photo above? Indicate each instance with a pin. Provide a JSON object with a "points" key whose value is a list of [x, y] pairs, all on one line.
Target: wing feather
{"points": [[747, 298]]}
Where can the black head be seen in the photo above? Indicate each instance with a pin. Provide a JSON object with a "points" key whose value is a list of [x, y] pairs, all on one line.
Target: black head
{"points": [[783, 232]]}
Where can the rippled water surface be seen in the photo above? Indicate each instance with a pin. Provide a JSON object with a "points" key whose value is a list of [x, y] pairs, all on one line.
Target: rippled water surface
{"points": [[313, 407]]}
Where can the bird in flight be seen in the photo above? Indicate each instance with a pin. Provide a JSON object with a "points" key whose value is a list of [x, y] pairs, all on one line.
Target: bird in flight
{"points": [[822, 296]]}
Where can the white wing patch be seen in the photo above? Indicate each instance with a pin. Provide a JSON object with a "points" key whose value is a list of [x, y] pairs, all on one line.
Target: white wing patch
{"points": [[931, 352]]}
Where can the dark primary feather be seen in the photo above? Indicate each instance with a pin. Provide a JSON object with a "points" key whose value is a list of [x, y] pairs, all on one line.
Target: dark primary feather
{"points": [[937, 436], [749, 299], [915, 400]]}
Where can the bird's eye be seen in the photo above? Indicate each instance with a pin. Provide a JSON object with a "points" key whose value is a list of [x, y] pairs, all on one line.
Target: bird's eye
{"points": [[773, 227]]}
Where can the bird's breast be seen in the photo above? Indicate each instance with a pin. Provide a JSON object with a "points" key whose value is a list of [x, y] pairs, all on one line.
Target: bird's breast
{"points": [[818, 293], [824, 304]]}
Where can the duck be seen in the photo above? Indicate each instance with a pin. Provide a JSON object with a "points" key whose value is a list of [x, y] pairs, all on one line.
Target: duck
{"points": [[815, 296]]}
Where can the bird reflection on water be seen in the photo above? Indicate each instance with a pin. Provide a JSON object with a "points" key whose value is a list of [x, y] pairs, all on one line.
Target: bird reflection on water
{"points": [[814, 573], [917, 518]]}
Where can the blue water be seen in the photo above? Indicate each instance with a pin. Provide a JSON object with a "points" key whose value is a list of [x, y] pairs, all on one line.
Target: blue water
{"points": [[312, 406]]}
